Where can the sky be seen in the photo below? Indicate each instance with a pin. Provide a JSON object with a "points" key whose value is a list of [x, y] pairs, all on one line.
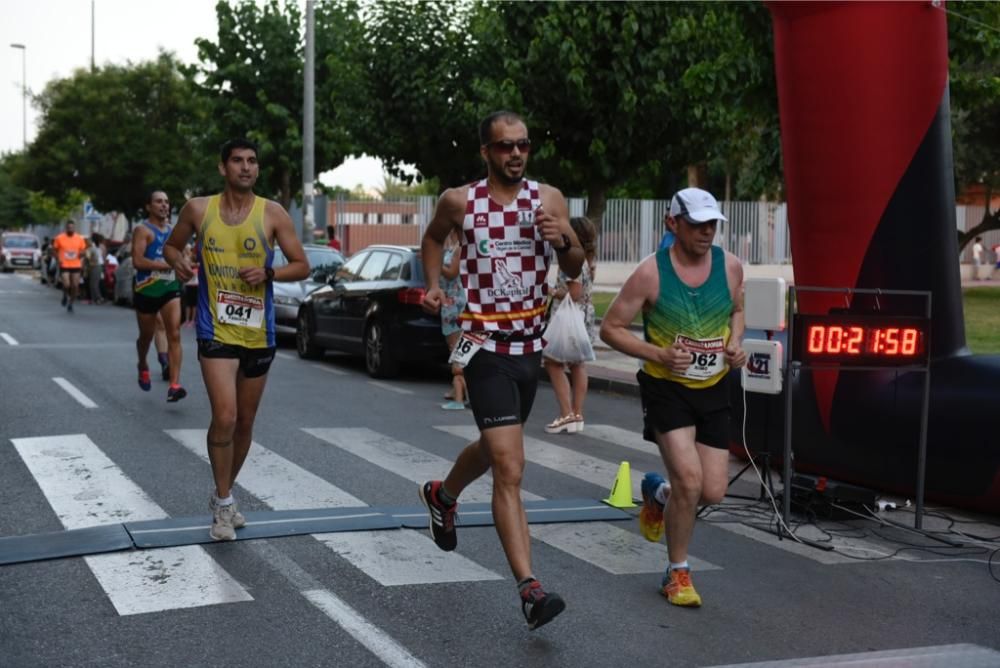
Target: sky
{"points": [[57, 37]]}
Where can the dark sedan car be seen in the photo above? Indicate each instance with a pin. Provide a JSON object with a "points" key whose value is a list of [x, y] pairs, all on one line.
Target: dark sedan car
{"points": [[323, 264], [371, 307]]}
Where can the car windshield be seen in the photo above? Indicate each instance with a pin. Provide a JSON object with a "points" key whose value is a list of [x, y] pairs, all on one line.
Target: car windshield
{"points": [[322, 259], [20, 242]]}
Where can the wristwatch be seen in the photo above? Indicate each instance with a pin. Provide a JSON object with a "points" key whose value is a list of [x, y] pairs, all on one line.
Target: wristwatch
{"points": [[567, 244], [269, 272]]}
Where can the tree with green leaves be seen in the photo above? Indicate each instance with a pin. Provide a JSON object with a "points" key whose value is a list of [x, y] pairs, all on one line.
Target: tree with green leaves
{"points": [[974, 79], [114, 134], [418, 106], [15, 201], [253, 76], [619, 87], [610, 91]]}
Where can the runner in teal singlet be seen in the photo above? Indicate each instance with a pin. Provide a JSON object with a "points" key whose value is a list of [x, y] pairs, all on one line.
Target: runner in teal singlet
{"points": [[691, 297]]}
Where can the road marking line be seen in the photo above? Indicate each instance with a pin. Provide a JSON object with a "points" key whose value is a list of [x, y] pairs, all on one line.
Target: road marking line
{"points": [[8, 338], [390, 557], [75, 393], [286, 356], [377, 641], [85, 488], [374, 639], [391, 388], [328, 369]]}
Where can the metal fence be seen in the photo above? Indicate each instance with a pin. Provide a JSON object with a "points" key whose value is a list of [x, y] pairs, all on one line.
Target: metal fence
{"points": [[756, 232]]}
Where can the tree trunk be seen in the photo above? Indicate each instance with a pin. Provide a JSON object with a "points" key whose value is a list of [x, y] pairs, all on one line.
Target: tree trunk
{"points": [[286, 188], [697, 175], [597, 202]]}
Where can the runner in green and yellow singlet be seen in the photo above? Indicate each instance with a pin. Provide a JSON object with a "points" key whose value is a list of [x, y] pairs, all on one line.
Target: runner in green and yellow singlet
{"points": [[236, 235], [691, 298]]}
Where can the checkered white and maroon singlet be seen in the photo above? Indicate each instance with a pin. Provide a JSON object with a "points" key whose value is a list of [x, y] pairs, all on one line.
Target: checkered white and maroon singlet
{"points": [[505, 263]]}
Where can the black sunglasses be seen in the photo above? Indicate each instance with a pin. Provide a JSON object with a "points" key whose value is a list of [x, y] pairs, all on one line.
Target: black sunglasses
{"points": [[507, 146]]}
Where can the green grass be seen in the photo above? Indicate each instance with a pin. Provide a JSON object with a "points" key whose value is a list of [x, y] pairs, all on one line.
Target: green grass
{"points": [[982, 317]]}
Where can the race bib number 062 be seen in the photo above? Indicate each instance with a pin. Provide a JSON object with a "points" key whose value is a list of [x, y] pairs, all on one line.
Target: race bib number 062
{"points": [[707, 356], [232, 308]]}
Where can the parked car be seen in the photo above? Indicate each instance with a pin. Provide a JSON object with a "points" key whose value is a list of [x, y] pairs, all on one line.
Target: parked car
{"points": [[323, 265], [20, 250], [371, 307]]}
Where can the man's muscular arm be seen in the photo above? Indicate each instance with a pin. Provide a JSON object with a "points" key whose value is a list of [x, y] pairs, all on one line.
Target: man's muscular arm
{"points": [[448, 215], [188, 221]]}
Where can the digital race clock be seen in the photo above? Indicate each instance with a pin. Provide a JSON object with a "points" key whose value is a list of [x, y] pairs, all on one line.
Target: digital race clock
{"points": [[861, 339]]}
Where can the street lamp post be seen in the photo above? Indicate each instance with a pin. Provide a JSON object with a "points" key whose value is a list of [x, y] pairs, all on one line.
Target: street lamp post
{"points": [[24, 93], [308, 126]]}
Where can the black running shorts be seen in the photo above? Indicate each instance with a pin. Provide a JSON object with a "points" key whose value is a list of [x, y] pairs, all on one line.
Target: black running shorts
{"points": [[254, 362], [502, 387], [667, 405], [149, 305]]}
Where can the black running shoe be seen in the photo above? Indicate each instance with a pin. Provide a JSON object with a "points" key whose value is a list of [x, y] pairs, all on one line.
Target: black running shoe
{"points": [[442, 523], [64, 299], [165, 371], [538, 607], [176, 393]]}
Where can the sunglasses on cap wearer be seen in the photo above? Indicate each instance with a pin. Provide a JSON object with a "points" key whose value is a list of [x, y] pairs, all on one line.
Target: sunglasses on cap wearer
{"points": [[508, 146]]}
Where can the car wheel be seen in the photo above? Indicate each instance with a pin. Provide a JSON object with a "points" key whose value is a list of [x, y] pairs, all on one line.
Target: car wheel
{"points": [[305, 345], [379, 360]]}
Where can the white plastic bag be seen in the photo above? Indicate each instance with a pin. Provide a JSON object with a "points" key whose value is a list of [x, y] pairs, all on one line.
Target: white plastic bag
{"points": [[566, 338]]}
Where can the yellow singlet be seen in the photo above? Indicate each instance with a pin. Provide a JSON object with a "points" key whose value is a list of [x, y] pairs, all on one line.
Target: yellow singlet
{"points": [[230, 311]]}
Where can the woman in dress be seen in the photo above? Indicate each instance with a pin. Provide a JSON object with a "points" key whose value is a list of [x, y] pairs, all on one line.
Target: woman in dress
{"points": [[570, 393]]}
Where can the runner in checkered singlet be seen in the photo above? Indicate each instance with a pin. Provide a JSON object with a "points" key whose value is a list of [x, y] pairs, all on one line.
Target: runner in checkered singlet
{"points": [[510, 227]]}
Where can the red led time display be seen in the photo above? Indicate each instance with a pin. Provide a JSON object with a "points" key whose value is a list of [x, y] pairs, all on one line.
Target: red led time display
{"points": [[862, 340]]}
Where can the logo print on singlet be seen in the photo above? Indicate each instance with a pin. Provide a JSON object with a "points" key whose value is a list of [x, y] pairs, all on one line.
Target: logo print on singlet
{"points": [[511, 286], [249, 243], [481, 220]]}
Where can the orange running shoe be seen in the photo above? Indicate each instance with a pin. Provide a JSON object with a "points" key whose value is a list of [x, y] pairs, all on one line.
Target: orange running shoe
{"points": [[651, 514], [678, 589]]}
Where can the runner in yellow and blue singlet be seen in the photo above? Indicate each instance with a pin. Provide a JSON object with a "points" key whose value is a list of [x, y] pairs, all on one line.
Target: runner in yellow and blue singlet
{"points": [[230, 311], [237, 232]]}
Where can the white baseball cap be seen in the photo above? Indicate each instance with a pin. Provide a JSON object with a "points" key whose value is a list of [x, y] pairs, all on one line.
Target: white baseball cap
{"points": [[695, 204]]}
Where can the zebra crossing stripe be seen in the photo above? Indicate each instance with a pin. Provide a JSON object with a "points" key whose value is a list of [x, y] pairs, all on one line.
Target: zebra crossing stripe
{"points": [[602, 544], [85, 488], [284, 485]]}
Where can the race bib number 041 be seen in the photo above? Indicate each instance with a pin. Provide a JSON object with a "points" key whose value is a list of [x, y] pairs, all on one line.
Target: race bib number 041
{"points": [[707, 357], [232, 308]]}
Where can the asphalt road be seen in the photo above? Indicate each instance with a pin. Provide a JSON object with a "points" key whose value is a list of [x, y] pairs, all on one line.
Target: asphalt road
{"points": [[327, 436]]}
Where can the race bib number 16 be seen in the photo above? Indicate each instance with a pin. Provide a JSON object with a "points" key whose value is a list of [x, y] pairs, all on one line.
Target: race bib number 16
{"points": [[232, 308], [467, 346]]}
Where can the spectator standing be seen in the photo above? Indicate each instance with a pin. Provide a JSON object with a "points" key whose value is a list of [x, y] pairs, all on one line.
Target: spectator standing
{"points": [[331, 235], [451, 307], [977, 257], [95, 268], [571, 393], [191, 288]]}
